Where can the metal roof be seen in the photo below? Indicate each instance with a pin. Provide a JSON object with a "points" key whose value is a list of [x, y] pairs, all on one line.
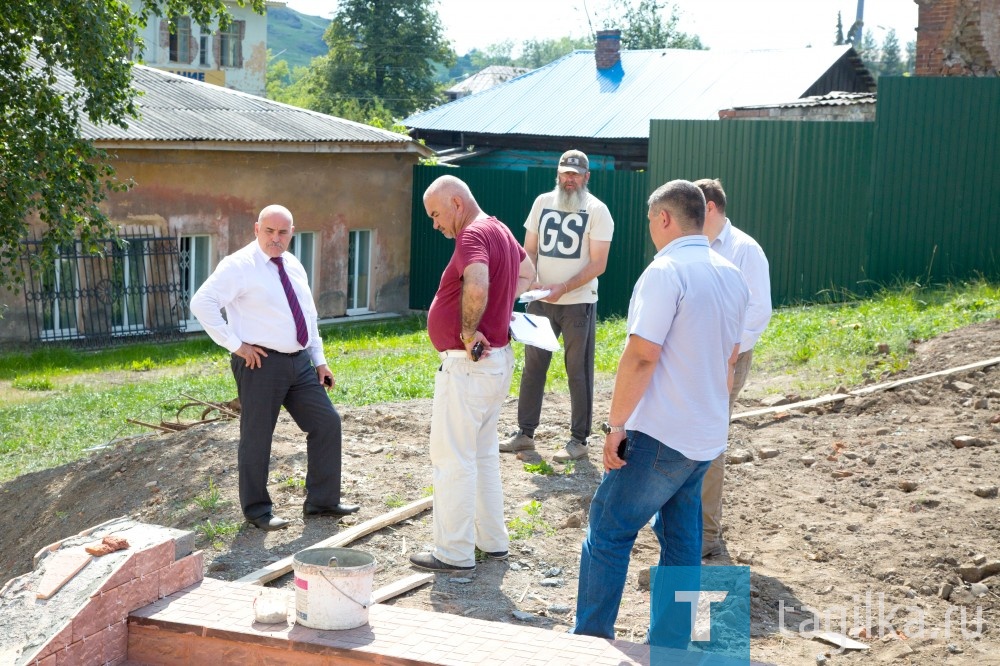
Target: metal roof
{"points": [[174, 108], [571, 97]]}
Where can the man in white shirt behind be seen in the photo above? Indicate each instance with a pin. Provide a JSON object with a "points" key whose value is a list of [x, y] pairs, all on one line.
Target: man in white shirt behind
{"points": [[743, 251]]}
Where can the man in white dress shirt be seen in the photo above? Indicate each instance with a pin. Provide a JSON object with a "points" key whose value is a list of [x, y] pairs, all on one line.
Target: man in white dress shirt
{"points": [[277, 359], [742, 250]]}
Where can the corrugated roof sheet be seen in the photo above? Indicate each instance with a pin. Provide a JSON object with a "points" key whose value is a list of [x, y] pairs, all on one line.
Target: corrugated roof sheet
{"points": [[835, 98], [571, 97], [174, 108], [485, 79]]}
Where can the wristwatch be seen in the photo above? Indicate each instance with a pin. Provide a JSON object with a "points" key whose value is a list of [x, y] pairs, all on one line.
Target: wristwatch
{"points": [[607, 428], [461, 336]]}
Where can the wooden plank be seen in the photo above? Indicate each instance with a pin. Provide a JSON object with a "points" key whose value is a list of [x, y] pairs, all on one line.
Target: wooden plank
{"points": [[283, 566], [836, 397], [400, 586], [885, 386], [911, 380]]}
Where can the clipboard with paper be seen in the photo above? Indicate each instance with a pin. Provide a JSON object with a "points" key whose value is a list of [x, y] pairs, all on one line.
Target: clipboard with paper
{"points": [[533, 330]]}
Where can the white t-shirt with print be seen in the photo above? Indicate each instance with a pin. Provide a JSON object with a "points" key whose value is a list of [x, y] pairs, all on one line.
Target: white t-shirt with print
{"points": [[564, 242]]}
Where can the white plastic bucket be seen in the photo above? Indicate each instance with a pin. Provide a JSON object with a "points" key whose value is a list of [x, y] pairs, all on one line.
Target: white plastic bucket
{"points": [[333, 587]]}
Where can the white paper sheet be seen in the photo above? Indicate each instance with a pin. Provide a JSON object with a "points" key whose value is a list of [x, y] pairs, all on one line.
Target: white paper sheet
{"points": [[533, 330], [534, 295]]}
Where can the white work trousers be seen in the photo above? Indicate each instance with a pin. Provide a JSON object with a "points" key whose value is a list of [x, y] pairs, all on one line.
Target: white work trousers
{"points": [[465, 455]]}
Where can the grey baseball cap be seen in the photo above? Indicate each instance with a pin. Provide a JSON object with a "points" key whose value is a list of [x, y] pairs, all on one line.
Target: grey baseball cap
{"points": [[575, 161]]}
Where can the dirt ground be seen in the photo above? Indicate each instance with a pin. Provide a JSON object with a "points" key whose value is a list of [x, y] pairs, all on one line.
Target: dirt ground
{"points": [[868, 510]]}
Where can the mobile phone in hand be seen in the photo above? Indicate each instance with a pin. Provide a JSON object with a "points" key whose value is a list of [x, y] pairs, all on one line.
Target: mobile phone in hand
{"points": [[477, 350], [622, 447], [328, 381]]}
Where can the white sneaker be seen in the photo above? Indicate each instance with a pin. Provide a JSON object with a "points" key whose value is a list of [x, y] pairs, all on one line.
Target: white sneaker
{"points": [[574, 450], [519, 442]]}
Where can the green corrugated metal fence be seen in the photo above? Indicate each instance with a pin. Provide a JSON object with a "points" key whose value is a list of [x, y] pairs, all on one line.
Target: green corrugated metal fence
{"points": [[800, 188], [839, 207], [938, 179]]}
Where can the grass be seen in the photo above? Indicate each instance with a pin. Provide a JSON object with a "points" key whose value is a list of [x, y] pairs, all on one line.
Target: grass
{"points": [[541, 467], [217, 533], [532, 523], [394, 501], [56, 403], [211, 498]]}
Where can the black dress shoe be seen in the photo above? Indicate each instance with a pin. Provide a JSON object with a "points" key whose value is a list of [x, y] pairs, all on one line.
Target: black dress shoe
{"points": [[268, 522], [311, 510]]}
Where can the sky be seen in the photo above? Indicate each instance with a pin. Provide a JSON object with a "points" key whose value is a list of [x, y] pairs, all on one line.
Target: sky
{"points": [[738, 24]]}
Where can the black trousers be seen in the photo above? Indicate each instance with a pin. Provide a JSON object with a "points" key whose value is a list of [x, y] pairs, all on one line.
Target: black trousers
{"points": [[577, 324], [290, 381]]}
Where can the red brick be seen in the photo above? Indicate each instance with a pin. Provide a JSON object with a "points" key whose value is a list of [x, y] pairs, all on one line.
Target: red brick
{"points": [[183, 573], [116, 642], [58, 642], [140, 592], [99, 613], [88, 651], [125, 573], [154, 558]]}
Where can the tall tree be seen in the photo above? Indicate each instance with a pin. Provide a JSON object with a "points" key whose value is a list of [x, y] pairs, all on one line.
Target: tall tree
{"points": [[500, 53], [644, 25], [537, 53], [380, 58], [46, 169], [890, 63], [869, 52], [839, 39], [911, 58]]}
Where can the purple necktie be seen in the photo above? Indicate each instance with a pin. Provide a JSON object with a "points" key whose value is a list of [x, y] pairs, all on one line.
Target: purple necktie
{"points": [[301, 332]]}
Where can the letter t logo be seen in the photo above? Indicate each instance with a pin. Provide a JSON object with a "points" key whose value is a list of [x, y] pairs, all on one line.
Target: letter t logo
{"points": [[700, 601]]}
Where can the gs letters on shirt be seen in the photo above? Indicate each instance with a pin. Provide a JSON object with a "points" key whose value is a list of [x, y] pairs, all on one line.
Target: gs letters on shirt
{"points": [[560, 234], [564, 239]]}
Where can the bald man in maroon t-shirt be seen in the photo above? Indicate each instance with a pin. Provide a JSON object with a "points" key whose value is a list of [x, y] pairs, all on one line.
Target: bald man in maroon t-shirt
{"points": [[470, 312]]}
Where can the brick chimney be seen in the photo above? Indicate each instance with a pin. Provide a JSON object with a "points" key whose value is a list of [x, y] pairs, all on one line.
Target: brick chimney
{"points": [[607, 52], [958, 37]]}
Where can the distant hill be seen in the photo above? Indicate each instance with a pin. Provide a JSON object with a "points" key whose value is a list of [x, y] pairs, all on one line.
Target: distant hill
{"points": [[295, 38]]}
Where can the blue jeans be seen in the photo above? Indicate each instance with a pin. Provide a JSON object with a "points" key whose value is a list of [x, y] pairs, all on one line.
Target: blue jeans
{"points": [[656, 481]]}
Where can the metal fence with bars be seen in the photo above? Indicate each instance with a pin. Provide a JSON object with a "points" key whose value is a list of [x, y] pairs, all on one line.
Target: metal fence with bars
{"points": [[130, 288]]}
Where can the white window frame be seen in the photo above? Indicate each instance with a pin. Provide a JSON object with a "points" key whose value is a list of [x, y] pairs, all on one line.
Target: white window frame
{"points": [[179, 47], [126, 326], [189, 268], [358, 269], [57, 330], [305, 251], [231, 46]]}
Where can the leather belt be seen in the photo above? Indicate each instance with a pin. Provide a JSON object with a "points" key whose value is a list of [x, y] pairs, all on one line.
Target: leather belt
{"points": [[461, 353], [275, 351]]}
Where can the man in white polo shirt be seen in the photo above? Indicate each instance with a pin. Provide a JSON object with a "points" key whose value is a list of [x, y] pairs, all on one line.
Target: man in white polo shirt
{"points": [[669, 406], [741, 249]]}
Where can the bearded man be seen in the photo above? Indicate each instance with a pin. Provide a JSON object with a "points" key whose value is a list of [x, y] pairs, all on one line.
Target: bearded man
{"points": [[568, 238]]}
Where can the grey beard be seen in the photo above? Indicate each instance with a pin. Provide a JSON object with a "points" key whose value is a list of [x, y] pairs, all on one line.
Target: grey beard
{"points": [[571, 202]]}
